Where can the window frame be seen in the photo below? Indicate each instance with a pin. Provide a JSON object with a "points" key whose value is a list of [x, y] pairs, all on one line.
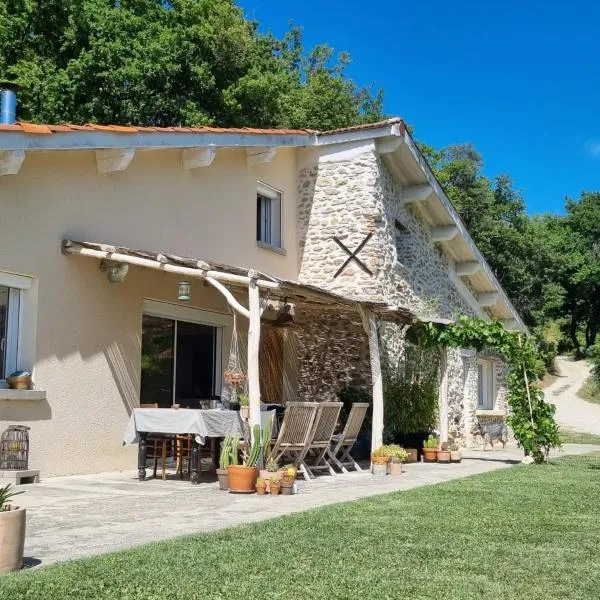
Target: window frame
{"points": [[275, 196], [486, 397]]}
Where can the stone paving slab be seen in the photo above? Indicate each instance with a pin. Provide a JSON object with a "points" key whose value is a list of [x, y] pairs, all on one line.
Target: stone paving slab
{"points": [[79, 516]]}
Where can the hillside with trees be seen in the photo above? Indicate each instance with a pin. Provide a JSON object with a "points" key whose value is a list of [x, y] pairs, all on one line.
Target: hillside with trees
{"points": [[201, 62]]}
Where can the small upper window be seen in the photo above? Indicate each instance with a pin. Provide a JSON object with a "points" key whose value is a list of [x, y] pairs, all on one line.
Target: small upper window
{"points": [[268, 216], [485, 385], [9, 329]]}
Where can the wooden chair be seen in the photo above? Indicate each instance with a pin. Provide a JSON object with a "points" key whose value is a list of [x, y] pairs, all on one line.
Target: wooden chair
{"points": [[295, 434], [158, 446], [343, 443], [327, 417], [183, 453]]}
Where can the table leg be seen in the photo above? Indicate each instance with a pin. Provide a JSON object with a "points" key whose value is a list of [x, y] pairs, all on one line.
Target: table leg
{"points": [[215, 445], [195, 475], [142, 453]]}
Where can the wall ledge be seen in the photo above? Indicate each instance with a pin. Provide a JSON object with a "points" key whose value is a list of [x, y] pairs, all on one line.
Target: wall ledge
{"points": [[490, 413], [8, 394]]}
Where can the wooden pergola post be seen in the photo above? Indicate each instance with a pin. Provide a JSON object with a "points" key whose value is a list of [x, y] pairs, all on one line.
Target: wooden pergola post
{"points": [[370, 326], [253, 351], [443, 396]]}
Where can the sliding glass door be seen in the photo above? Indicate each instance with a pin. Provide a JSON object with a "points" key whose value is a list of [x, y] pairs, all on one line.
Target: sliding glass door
{"points": [[179, 361]]}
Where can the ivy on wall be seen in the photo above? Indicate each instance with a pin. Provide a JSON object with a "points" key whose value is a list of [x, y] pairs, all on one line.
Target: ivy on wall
{"points": [[530, 418]]}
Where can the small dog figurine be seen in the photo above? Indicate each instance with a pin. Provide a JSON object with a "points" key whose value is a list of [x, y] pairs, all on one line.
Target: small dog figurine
{"points": [[491, 433]]}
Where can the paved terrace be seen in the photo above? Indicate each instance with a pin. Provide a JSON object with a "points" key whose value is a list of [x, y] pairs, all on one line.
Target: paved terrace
{"points": [[78, 516]]}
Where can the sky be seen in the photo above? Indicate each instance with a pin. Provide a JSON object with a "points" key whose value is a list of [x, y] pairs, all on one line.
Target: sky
{"points": [[519, 80]]}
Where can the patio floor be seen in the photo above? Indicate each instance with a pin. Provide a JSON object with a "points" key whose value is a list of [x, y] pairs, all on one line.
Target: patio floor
{"points": [[78, 516]]}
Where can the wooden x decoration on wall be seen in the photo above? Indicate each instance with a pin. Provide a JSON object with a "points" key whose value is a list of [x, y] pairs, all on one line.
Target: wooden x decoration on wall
{"points": [[352, 256]]}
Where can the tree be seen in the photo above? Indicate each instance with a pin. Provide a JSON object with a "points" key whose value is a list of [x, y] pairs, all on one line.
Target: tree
{"points": [[185, 62]]}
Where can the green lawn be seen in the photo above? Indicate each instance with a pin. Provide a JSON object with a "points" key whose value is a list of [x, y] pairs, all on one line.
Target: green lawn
{"points": [[569, 436], [524, 532], [590, 391]]}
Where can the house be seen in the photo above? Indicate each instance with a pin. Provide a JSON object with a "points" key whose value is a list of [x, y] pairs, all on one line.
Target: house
{"points": [[128, 255]]}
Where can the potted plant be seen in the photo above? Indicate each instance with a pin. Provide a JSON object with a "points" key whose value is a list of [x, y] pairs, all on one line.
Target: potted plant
{"points": [[430, 446], [261, 486], [412, 455], [397, 456], [12, 531], [288, 477], [275, 485], [271, 469], [242, 478], [244, 401], [225, 459], [443, 454], [379, 460], [455, 453]]}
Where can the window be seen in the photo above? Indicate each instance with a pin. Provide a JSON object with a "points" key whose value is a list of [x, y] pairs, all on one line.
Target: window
{"points": [[10, 299], [485, 385], [268, 216]]}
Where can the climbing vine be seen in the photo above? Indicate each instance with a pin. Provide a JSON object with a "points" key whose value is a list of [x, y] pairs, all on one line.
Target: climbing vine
{"points": [[531, 418]]}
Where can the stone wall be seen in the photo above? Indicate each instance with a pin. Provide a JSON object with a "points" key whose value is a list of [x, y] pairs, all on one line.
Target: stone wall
{"points": [[352, 199]]}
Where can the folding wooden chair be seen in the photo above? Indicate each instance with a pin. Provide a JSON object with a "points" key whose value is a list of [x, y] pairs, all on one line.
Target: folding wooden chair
{"points": [[343, 443], [158, 448], [327, 417], [295, 434]]}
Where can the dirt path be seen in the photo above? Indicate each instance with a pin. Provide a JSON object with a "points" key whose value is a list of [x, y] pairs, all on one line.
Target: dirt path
{"points": [[573, 412]]}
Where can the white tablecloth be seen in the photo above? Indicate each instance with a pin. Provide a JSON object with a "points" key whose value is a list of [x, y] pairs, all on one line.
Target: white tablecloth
{"points": [[202, 423]]}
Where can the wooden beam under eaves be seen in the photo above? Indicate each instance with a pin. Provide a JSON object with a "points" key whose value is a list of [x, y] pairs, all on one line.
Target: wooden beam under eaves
{"points": [[445, 233], [257, 156], [11, 161], [417, 193], [488, 298], [194, 158], [467, 268], [114, 159]]}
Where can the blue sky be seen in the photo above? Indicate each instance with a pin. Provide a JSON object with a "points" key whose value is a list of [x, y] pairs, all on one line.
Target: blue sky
{"points": [[520, 80]]}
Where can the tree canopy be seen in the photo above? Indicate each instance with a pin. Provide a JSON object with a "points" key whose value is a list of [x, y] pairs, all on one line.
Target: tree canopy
{"points": [[183, 62]]}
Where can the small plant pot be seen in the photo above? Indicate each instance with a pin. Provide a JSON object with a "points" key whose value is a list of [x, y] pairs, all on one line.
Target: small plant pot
{"points": [[379, 469], [245, 412], [275, 489], [430, 454], [413, 455], [287, 489], [266, 475], [223, 477], [443, 456], [12, 539], [395, 468], [455, 456], [242, 480], [261, 489]]}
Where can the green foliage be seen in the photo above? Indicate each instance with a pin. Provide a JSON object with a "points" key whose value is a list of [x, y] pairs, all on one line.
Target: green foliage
{"points": [[594, 357], [394, 452], [272, 466], [430, 442], [184, 62], [6, 493], [350, 395], [531, 419], [258, 446], [244, 399], [410, 391]]}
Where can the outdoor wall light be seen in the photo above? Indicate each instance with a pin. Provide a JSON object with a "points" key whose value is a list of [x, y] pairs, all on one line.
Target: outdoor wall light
{"points": [[183, 291], [115, 271]]}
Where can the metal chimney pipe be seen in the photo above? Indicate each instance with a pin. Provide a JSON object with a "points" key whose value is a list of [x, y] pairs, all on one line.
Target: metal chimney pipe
{"points": [[8, 103]]}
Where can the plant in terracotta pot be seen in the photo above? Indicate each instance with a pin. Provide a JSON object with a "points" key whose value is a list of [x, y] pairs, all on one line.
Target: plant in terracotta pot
{"points": [[397, 455], [443, 455], [271, 469], [275, 485], [12, 531], [288, 477], [430, 446], [379, 461], [412, 455], [261, 486], [226, 459], [244, 401], [455, 453]]}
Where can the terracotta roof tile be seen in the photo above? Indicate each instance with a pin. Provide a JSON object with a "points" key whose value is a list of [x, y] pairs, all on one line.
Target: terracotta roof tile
{"points": [[33, 128]]}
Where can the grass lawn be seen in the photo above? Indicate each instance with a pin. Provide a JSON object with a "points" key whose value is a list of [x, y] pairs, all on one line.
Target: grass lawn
{"points": [[569, 436], [524, 532], [590, 391]]}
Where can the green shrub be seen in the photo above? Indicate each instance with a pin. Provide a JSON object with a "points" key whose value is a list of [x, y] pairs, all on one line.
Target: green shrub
{"points": [[594, 357]]}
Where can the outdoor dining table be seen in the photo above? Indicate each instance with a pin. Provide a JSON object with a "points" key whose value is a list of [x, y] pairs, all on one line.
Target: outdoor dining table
{"points": [[200, 423]]}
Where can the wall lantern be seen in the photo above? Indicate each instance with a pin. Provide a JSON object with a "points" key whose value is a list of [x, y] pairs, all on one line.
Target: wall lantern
{"points": [[115, 271], [183, 291]]}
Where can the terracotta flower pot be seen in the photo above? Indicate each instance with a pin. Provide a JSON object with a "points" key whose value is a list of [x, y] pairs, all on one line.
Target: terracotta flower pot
{"points": [[223, 477], [261, 489], [275, 489], [395, 468], [266, 475], [430, 454], [242, 479], [245, 412], [413, 455], [455, 456], [443, 456], [12, 539], [380, 460], [379, 469], [287, 488]]}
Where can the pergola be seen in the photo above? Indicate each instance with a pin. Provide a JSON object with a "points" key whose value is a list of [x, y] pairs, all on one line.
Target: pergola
{"points": [[229, 280]]}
